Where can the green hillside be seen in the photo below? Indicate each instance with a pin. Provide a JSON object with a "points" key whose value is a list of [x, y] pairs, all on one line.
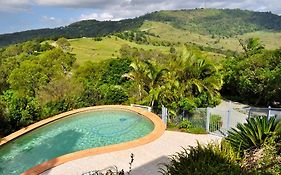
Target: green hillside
{"points": [[86, 28], [210, 22], [167, 32], [87, 49], [219, 22]]}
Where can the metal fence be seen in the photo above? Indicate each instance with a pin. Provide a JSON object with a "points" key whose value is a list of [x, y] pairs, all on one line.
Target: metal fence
{"points": [[219, 120], [269, 112], [222, 120]]}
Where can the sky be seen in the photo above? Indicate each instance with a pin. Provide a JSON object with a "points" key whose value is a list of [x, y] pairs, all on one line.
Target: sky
{"points": [[19, 15]]}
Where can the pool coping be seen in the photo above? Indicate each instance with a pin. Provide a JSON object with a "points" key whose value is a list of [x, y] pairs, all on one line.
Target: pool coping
{"points": [[158, 130]]}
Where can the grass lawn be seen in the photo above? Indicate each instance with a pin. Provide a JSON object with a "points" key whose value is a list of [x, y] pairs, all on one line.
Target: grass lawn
{"points": [[87, 49]]}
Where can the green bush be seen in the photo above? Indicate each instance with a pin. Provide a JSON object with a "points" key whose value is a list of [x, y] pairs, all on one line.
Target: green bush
{"points": [[254, 133], [171, 125], [113, 94], [212, 159], [98, 39], [4, 123], [197, 130], [185, 124], [264, 160]]}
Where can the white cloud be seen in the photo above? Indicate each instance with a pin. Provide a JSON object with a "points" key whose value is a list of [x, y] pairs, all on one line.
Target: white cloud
{"points": [[50, 21], [14, 5], [116, 9], [80, 4], [105, 16]]}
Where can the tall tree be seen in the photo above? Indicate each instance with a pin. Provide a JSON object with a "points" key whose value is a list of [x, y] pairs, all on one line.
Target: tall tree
{"points": [[28, 78], [189, 76]]}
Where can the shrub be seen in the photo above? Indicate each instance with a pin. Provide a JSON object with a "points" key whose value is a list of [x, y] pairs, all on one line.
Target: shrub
{"points": [[98, 39], [171, 125], [4, 123], [197, 130], [185, 124], [212, 159], [264, 160], [253, 134], [113, 94]]}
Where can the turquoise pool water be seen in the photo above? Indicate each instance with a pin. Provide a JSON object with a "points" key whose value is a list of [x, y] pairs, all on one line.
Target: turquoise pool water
{"points": [[78, 132]]}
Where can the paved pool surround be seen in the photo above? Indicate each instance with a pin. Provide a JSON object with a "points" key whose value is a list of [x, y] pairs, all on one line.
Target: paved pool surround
{"points": [[159, 129]]}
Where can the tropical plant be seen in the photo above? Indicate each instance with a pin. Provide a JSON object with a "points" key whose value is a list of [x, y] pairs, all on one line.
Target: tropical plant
{"points": [[212, 159], [139, 75], [189, 76], [252, 46], [148, 78], [254, 133], [155, 75]]}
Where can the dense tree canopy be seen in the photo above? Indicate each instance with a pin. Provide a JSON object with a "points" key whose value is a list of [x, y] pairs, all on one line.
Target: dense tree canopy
{"points": [[254, 76], [38, 80]]}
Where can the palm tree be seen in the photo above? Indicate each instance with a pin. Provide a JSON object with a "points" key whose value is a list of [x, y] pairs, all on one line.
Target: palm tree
{"points": [[185, 77], [189, 75], [252, 46], [139, 75], [156, 81], [148, 77]]}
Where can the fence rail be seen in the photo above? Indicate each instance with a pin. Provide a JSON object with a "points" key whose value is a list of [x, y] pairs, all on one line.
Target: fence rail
{"points": [[219, 120]]}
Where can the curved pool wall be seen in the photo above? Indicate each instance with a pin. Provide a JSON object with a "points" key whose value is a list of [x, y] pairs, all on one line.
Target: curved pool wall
{"points": [[115, 132]]}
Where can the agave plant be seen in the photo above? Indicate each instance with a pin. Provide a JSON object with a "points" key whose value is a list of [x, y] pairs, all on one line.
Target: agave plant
{"points": [[254, 133]]}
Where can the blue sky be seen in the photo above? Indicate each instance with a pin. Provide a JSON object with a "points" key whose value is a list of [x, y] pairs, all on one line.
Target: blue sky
{"points": [[19, 15]]}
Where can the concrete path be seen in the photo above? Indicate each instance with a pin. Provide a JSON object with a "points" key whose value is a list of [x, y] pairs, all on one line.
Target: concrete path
{"points": [[236, 114], [147, 157]]}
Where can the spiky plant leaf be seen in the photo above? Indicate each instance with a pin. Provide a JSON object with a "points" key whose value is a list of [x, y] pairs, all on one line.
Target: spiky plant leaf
{"points": [[254, 133]]}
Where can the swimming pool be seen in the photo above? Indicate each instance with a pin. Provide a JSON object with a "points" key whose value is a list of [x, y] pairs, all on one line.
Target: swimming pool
{"points": [[91, 129]]}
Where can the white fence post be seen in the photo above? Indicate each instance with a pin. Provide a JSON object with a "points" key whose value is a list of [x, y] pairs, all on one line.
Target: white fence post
{"points": [[269, 113], [228, 116], [164, 115], [208, 119]]}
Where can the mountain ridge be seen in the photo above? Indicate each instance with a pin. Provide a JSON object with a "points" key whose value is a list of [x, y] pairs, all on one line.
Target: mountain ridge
{"points": [[220, 22]]}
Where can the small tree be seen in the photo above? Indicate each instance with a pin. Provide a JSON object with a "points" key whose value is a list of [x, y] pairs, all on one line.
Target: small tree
{"points": [[63, 43]]}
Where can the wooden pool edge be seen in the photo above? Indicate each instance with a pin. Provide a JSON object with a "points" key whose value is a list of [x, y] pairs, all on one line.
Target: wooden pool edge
{"points": [[158, 130]]}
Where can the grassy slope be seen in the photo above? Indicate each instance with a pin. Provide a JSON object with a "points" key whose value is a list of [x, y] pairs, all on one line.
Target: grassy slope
{"points": [[270, 39], [87, 49], [170, 33], [219, 22], [184, 32]]}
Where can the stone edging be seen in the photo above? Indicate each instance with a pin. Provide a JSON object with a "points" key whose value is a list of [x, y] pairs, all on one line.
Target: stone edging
{"points": [[159, 129]]}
